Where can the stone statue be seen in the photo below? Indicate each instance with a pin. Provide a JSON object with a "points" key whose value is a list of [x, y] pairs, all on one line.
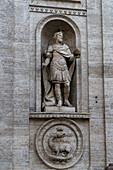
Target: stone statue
{"points": [[58, 58]]}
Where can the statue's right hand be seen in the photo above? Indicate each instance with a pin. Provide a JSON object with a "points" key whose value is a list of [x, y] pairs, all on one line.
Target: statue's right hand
{"points": [[44, 65]]}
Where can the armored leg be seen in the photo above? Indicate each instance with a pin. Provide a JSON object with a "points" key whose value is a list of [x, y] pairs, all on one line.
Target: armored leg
{"points": [[66, 94], [58, 94]]}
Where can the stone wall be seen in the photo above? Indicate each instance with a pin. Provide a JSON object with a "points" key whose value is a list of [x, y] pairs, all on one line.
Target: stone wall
{"points": [[96, 84], [21, 23], [21, 87], [107, 26], [7, 23]]}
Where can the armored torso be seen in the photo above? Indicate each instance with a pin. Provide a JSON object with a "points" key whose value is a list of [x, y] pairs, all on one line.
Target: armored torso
{"points": [[58, 67], [58, 61]]}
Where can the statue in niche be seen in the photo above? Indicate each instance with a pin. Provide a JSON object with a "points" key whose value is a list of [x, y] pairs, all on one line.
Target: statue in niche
{"points": [[57, 71]]}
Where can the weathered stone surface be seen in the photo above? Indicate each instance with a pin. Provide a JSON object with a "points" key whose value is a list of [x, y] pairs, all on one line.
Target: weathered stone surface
{"points": [[35, 125], [108, 78], [59, 143], [35, 115], [7, 22], [24, 32], [21, 87], [96, 80], [62, 109]]}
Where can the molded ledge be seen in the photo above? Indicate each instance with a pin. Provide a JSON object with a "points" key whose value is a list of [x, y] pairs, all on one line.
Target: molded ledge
{"points": [[42, 115], [96, 168]]}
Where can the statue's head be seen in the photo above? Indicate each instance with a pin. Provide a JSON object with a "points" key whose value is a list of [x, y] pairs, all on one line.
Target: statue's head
{"points": [[58, 36]]}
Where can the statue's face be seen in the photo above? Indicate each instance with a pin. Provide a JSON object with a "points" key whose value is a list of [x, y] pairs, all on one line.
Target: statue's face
{"points": [[59, 37]]}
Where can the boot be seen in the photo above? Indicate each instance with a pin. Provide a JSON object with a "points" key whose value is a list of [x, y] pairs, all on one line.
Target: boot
{"points": [[66, 95], [59, 103], [67, 103]]}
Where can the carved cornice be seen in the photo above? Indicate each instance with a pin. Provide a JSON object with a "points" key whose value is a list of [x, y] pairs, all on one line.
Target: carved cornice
{"points": [[52, 10], [74, 1], [42, 115]]}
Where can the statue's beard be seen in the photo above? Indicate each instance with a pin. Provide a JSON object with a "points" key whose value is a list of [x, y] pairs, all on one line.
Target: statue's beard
{"points": [[60, 40]]}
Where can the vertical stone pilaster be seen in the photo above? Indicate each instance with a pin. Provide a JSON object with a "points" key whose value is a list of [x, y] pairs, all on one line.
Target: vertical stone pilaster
{"points": [[21, 87], [107, 23], [96, 97], [6, 83]]}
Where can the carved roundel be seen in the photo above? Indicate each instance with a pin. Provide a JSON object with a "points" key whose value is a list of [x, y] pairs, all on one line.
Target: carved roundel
{"points": [[59, 143]]}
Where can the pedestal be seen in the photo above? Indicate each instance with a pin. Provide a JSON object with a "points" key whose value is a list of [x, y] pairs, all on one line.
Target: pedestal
{"points": [[62, 109], [59, 137]]}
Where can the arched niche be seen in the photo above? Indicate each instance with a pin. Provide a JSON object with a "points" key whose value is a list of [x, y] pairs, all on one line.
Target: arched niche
{"points": [[44, 37], [69, 38]]}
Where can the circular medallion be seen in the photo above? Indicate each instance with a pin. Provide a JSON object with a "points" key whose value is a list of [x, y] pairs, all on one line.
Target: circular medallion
{"points": [[59, 143]]}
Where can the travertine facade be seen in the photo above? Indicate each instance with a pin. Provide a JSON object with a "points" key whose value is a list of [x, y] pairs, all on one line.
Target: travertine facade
{"points": [[26, 28]]}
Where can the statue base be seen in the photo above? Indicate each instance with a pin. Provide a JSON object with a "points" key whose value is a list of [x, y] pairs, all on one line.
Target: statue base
{"points": [[59, 109]]}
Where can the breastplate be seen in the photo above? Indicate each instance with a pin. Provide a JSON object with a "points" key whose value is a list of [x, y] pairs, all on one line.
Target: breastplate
{"points": [[59, 59], [58, 62]]}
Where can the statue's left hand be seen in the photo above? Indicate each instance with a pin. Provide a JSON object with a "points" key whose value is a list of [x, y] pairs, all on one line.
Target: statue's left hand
{"points": [[77, 56], [71, 57]]}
